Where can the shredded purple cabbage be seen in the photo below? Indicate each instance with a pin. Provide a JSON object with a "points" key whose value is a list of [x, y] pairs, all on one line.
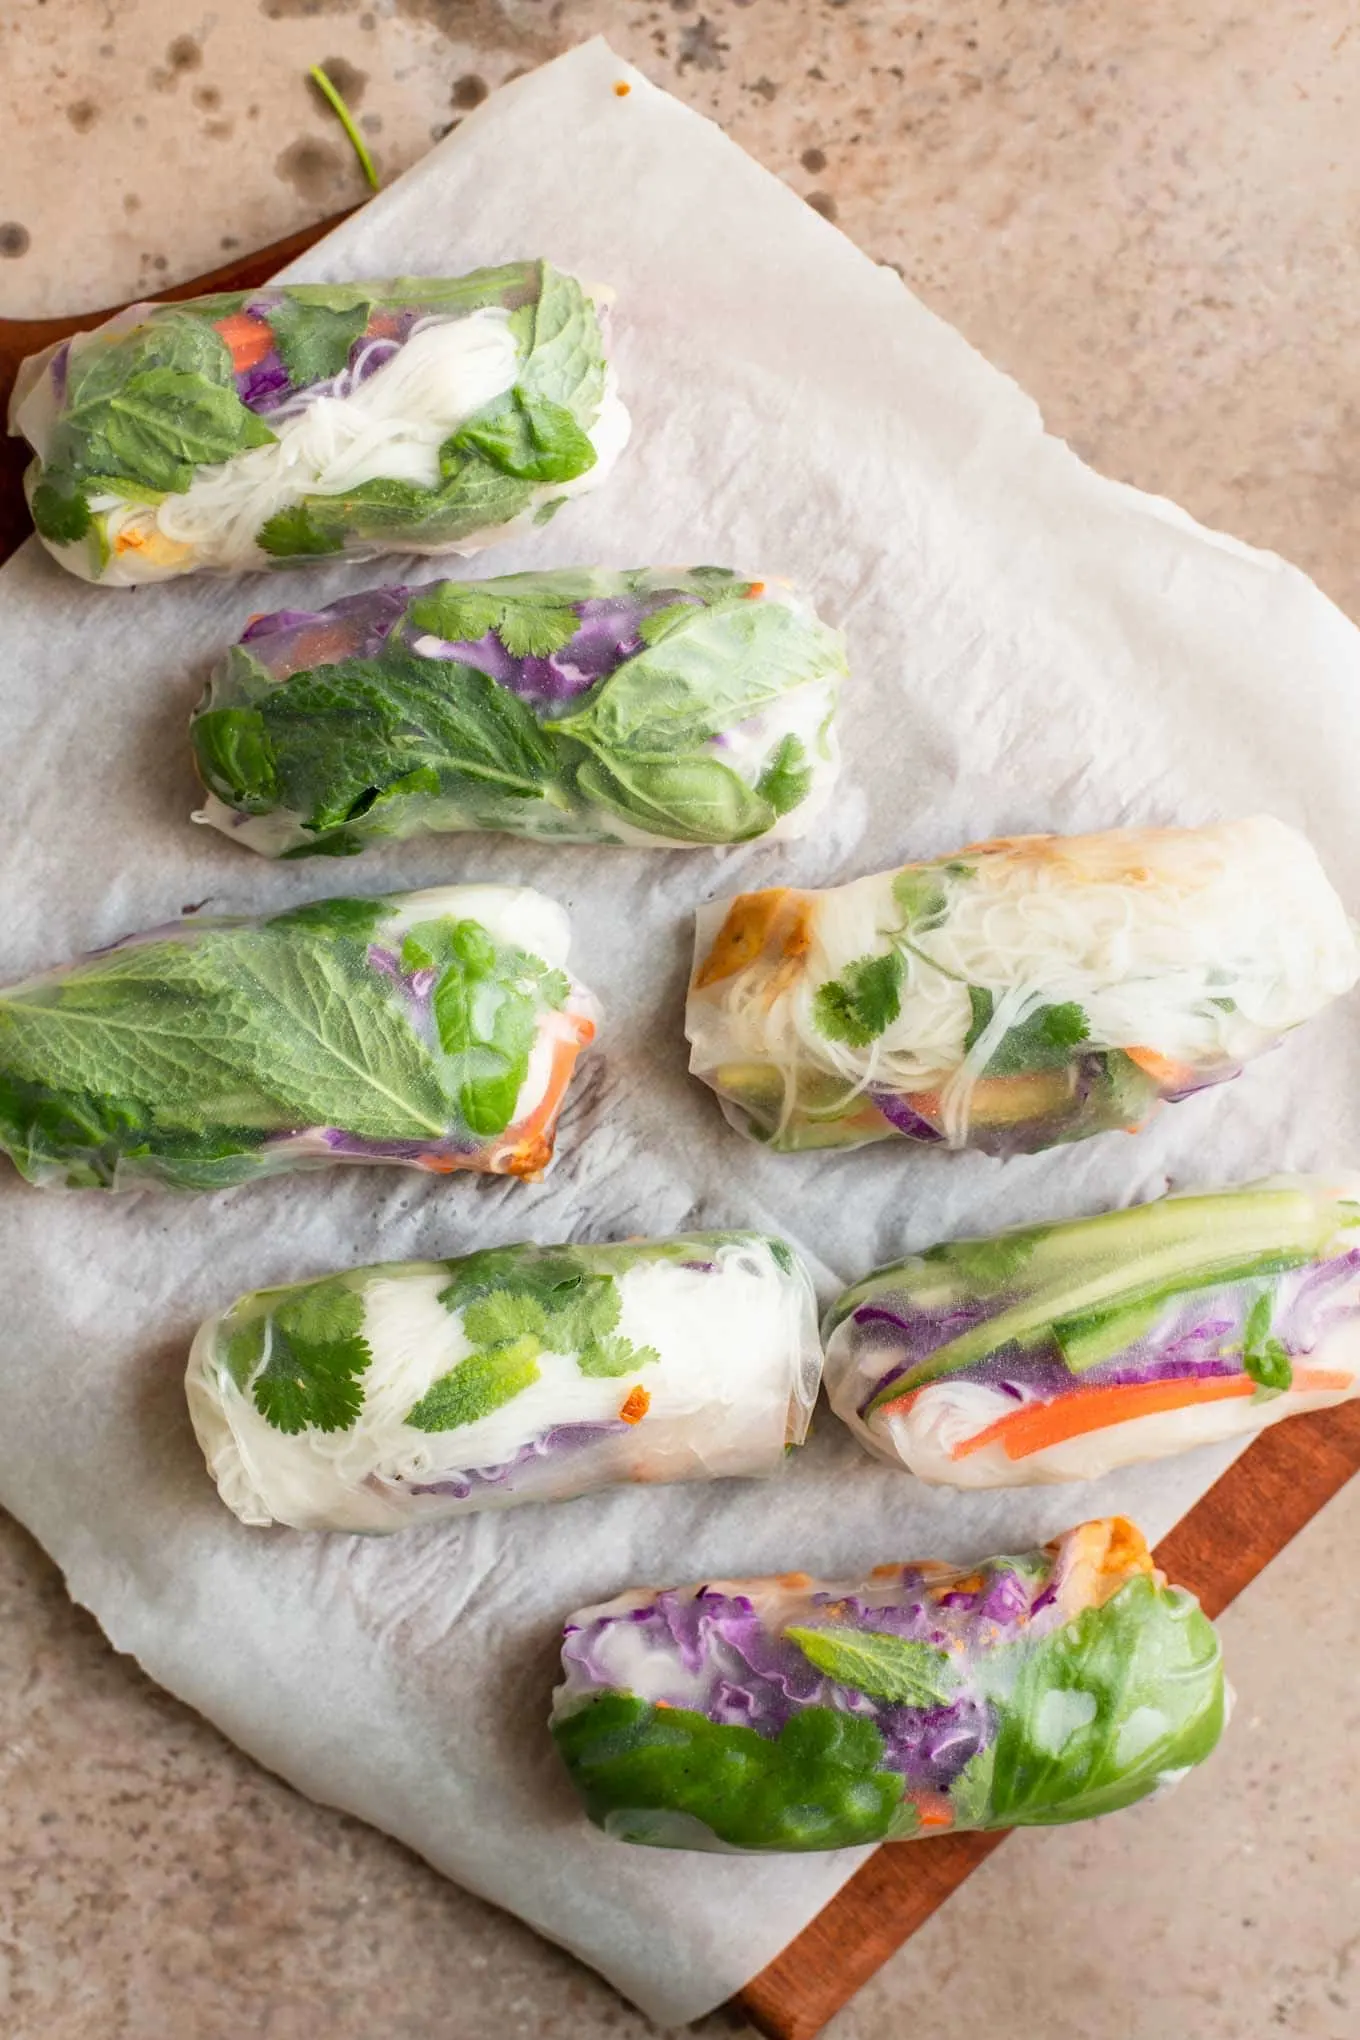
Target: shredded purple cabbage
{"points": [[561, 1438]]}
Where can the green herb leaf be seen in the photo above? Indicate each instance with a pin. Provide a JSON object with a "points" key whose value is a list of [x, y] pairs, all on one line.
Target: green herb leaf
{"points": [[528, 437], [886, 1667], [243, 1350], [502, 1317], [648, 1774], [614, 1356], [866, 997], [476, 1386], [921, 898], [534, 630], [1045, 1041], [585, 1312], [1104, 1707], [1265, 1359], [317, 1353], [787, 779], [60, 511], [313, 340], [661, 622], [688, 800], [292, 534]]}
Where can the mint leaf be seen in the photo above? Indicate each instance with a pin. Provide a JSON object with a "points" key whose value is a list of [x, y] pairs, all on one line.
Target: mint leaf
{"points": [[314, 340], [529, 438], [476, 1386], [163, 425], [787, 780], [310, 1380], [334, 738], [866, 997], [1045, 1041], [611, 1357], [886, 1667]]}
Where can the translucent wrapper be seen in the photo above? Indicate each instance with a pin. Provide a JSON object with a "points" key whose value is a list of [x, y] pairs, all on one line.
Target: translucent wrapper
{"points": [[436, 1029], [792, 1713], [396, 1395], [1060, 1352], [1018, 994], [656, 706], [268, 427]]}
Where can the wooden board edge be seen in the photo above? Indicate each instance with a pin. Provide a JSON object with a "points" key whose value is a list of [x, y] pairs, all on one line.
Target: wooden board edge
{"points": [[1233, 1532], [22, 337]]}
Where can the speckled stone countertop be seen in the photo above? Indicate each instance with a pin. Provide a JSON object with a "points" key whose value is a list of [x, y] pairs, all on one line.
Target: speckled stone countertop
{"points": [[1145, 213]]}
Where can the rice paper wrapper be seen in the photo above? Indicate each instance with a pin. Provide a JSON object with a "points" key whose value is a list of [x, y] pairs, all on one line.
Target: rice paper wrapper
{"points": [[1032, 648]]}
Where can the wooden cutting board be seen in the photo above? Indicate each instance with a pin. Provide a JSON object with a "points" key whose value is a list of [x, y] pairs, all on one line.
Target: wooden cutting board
{"points": [[1261, 1502]]}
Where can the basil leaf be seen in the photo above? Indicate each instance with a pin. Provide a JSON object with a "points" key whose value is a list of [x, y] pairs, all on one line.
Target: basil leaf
{"points": [[1104, 1707], [886, 1667], [529, 438], [866, 997], [714, 669], [1265, 1359], [693, 800], [163, 425]]}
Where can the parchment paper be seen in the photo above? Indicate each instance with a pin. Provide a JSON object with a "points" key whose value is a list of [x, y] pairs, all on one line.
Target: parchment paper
{"points": [[1033, 647]]}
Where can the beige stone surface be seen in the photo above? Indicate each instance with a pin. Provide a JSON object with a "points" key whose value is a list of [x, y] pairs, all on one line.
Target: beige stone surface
{"points": [[1146, 213]]}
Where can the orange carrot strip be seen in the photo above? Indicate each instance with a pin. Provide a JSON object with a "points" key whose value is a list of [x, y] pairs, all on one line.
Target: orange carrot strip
{"points": [[565, 1051], [1163, 1069], [1036, 1426], [249, 340], [933, 1809], [635, 1405]]}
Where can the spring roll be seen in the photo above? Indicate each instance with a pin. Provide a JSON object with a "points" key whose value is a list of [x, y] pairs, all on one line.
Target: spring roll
{"points": [[270, 427], [653, 707], [435, 1029], [1016, 995], [1059, 1352], [793, 1713], [397, 1395]]}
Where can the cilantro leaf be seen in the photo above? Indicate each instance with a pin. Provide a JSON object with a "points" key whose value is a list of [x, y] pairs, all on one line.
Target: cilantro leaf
{"points": [[536, 630], [316, 1354], [920, 898], [588, 1311], [502, 1317], [613, 1356], [1044, 1041], [292, 534], [314, 340], [476, 1386], [887, 1667], [866, 997]]}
